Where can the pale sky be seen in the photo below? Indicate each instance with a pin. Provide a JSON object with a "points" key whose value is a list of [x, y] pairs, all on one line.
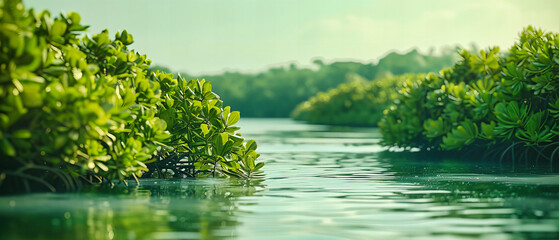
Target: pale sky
{"points": [[210, 36]]}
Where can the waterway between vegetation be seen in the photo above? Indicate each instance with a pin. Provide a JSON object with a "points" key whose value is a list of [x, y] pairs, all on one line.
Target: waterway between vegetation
{"points": [[320, 183]]}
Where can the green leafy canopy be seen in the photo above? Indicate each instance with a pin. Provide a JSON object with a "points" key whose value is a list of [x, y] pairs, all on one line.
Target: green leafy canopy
{"points": [[488, 101], [87, 109]]}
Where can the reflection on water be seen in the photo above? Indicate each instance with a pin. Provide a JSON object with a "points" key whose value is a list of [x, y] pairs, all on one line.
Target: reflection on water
{"points": [[168, 209], [321, 183]]}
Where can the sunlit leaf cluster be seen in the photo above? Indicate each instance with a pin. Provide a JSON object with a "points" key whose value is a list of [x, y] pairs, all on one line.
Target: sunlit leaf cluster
{"points": [[86, 108], [201, 131], [490, 101]]}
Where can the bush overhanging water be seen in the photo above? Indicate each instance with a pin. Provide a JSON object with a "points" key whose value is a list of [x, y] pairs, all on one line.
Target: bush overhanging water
{"points": [[75, 109], [505, 104]]}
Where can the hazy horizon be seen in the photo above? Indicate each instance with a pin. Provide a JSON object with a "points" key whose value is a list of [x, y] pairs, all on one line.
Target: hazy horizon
{"points": [[209, 37]]}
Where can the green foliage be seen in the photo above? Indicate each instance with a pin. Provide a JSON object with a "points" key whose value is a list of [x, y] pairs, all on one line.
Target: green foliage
{"points": [[361, 102], [510, 117], [403, 121], [444, 109], [356, 102], [487, 101], [276, 92], [465, 134], [202, 130], [74, 109]]}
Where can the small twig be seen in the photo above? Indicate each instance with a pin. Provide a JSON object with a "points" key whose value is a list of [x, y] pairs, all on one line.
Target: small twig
{"points": [[89, 180], [136, 178]]}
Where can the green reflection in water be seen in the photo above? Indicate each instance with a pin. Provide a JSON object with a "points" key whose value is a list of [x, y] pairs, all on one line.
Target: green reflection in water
{"points": [[183, 209]]}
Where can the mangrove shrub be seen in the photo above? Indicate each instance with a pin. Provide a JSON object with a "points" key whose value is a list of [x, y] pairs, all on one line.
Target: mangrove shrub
{"points": [[77, 109], [505, 104], [356, 102]]}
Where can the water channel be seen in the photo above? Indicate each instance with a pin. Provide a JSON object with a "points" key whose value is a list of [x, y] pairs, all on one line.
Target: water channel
{"points": [[320, 183]]}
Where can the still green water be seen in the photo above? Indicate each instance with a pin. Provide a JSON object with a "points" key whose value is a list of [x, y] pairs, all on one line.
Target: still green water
{"points": [[321, 183]]}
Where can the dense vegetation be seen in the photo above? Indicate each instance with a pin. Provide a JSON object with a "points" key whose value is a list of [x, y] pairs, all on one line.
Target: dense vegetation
{"points": [[276, 92], [87, 109], [356, 102], [504, 104], [359, 101]]}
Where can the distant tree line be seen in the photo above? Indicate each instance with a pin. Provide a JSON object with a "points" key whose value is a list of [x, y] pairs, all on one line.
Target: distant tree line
{"points": [[277, 91]]}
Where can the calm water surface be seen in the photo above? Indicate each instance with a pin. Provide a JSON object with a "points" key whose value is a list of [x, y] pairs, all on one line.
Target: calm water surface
{"points": [[321, 183]]}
